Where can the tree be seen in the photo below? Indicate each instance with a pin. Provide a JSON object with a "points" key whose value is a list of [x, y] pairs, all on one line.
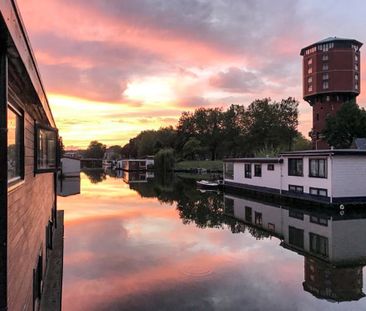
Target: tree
{"points": [[348, 123], [95, 150], [165, 160], [61, 147], [301, 143], [192, 148]]}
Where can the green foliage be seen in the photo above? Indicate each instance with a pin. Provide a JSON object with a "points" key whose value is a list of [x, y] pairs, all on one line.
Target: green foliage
{"points": [[192, 149], [95, 150], [165, 160], [301, 143], [268, 152], [348, 123], [208, 165]]}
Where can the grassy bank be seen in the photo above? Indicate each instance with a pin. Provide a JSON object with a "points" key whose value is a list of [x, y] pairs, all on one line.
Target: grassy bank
{"points": [[208, 165]]}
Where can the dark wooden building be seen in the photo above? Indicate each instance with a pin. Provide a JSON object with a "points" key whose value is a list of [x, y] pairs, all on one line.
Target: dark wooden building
{"points": [[331, 76], [28, 147]]}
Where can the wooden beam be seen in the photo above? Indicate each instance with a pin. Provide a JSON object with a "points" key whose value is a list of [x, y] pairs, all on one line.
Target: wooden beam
{"points": [[3, 168]]}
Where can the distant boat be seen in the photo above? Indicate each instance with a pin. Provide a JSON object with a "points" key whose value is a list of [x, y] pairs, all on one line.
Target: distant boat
{"points": [[205, 184]]}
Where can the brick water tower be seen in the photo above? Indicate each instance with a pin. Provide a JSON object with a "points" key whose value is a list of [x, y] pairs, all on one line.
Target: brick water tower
{"points": [[331, 76]]}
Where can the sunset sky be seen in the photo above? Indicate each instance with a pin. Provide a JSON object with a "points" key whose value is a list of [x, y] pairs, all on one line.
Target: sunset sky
{"points": [[113, 68]]}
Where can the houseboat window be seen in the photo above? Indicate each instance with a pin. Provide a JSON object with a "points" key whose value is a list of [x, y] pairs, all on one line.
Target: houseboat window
{"points": [[318, 168], [258, 170], [318, 244], [271, 226], [295, 167], [46, 140], [296, 214], [229, 170], [248, 214], [319, 192], [296, 237], [248, 170], [319, 220], [15, 145], [294, 188], [229, 206], [258, 218], [270, 167]]}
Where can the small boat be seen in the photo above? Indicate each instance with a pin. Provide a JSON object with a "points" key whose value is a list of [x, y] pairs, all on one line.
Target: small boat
{"points": [[207, 184]]}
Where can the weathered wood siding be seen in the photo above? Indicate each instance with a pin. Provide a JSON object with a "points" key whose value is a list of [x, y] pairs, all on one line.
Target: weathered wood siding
{"points": [[29, 209]]}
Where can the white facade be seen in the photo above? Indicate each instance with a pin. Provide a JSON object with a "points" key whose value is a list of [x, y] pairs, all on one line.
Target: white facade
{"points": [[336, 175]]}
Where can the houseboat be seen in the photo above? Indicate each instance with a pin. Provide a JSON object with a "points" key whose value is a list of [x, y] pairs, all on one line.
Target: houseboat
{"points": [[322, 176], [329, 240], [135, 164], [29, 220]]}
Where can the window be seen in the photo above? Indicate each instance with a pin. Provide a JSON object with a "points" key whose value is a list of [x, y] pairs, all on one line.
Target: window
{"points": [[310, 70], [258, 170], [258, 218], [319, 192], [296, 214], [310, 61], [15, 145], [325, 76], [319, 220], [294, 188], [356, 66], [271, 227], [229, 206], [270, 167], [248, 214], [356, 58], [46, 149], [356, 76], [327, 99], [310, 79], [295, 167], [325, 67], [325, 85], [325, 57], [296, 237], [310, 88], [229, 170], [248, 171], [318, 168], [318, 244], [356, 86]]}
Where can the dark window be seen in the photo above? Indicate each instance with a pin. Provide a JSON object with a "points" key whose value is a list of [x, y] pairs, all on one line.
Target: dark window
{"points": [[248, 214], [270, 167], [271, 226], [319, 192], [248, 170], [258, 218], [46, 149], [296, 214], [49, 235], [319, 220], [229, 170], [318, 168], [294, 188], [295, 167], [15, 145], [296, 237], [258, 170], [318, 244]]}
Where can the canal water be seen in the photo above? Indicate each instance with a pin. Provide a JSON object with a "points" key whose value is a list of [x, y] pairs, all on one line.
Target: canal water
{"points": [[143, 243]]}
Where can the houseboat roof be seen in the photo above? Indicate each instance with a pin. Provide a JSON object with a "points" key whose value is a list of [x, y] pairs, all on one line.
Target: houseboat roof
{"points": [[327, 152], [254, 160]]}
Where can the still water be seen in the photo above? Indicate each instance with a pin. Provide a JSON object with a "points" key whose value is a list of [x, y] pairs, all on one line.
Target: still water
{"points": [[140, 243]]}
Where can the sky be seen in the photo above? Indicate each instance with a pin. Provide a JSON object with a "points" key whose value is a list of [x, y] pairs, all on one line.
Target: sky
{"points": [[114, 68]]}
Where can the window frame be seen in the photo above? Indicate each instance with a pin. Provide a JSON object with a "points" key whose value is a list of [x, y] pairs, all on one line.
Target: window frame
{"points": [[318, 190], [295, 189], [289, 167], [226, 172], [20, 113], [247, 173], [37, 127], [318, 166], [256, 166], [270, 167]]}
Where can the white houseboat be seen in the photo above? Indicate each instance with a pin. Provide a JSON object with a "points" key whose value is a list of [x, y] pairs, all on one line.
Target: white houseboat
{"points": [[325, 176], [135, 164]]}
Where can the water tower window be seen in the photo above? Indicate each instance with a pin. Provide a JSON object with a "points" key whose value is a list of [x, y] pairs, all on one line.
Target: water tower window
{"points": [[325, 67], [325, 76], [356, 66], [356, 76], [325, 57], [356, 58], [328, 98], [310, 61], [356, 86], [310, 70], [310, 88], [325, 85], [310, 79]]}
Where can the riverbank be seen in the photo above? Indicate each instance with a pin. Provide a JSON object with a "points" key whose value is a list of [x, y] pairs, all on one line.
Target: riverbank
{"points": [[210, 166]]}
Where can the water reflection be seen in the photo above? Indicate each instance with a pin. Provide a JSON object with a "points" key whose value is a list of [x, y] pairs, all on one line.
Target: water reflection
{"points": [[68, 186], [140, 246]]}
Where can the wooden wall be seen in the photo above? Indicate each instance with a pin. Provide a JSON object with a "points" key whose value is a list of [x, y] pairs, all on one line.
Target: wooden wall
{"points": [[29, 209]]}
